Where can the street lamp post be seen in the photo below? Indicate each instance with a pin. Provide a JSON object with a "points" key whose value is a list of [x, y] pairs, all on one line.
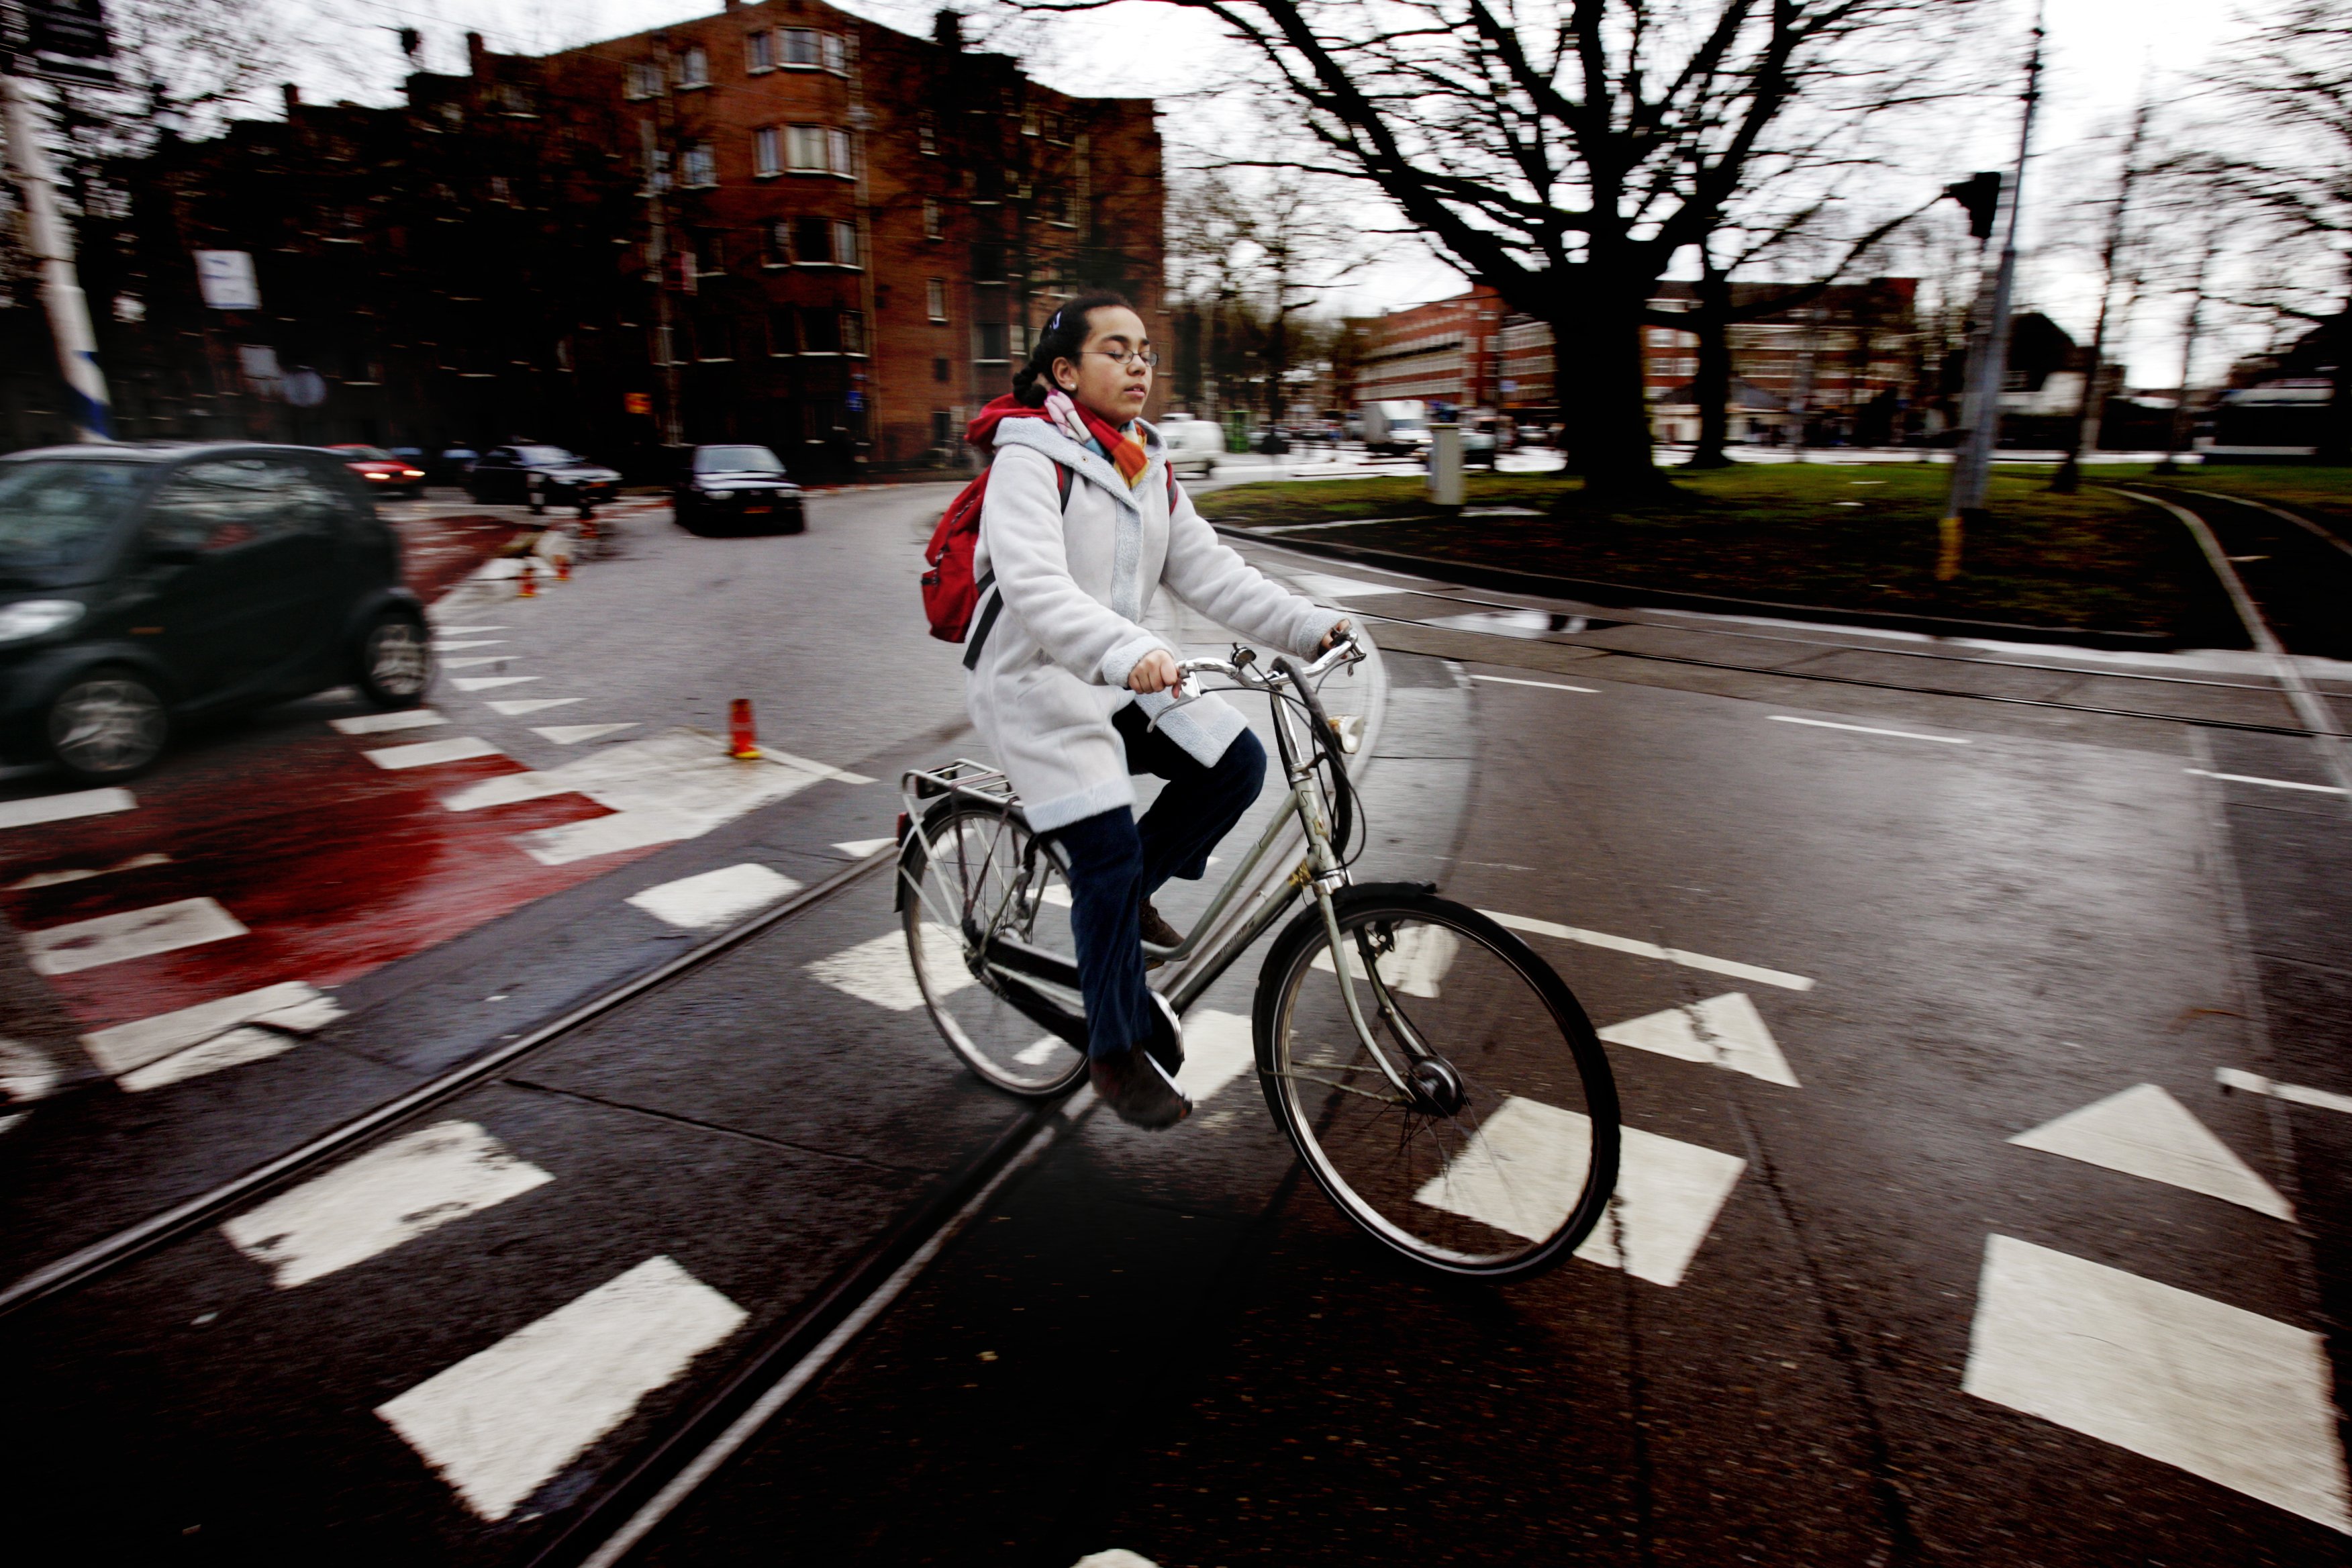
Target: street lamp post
{"points": [[1989, 350], [68, 307]]}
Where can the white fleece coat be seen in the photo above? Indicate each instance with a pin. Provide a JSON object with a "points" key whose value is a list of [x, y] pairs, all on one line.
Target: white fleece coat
{"points": [[1076, 587]]}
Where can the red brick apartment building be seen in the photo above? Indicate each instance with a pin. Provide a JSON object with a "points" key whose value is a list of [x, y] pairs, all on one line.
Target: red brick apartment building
{"points": [[1446, 352], [874, 223]]}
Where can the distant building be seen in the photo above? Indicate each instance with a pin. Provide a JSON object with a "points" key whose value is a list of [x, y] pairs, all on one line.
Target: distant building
{"points": [[863, 230], [1447, 353]]}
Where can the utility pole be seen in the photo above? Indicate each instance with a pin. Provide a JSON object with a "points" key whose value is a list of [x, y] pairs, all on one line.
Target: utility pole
{"points": [[2088, 414], [657, 246], [1989, 348], [68, 308]]}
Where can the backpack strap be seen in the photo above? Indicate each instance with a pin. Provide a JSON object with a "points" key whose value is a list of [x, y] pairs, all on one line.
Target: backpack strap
{"points": [[1062, 478]]}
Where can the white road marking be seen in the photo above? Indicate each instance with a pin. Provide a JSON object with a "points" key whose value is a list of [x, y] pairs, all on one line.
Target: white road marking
{"points": [[2227, 1394], [1546, 685], [715, 898], [1057, 894], [1042, 1052], [65, 807], [2254, 1083], [445, 646], [859, 848], [1218, 1048], [507, 789], [2144, 1132], [133, 934], [1423, 953], [1868, 729], [507, 1420], [2267, 783], [235, 1048], [55, 878], [417, 1182], [1688, 960], [398, 719], [25, 1074], [671, 786], [1528, 1159], [468, 631], [485, 682], [476, 661], [879, 971], [1723, 1031], [426, 754], [514, 705], [573, 734], [1324, 586], [291, 1006]]}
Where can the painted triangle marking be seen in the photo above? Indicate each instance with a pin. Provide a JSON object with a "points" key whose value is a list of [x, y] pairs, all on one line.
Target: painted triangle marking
{"points": [[573, 734], [1723, 1031], [2144, 1132], [513, 706], [859, 848]]}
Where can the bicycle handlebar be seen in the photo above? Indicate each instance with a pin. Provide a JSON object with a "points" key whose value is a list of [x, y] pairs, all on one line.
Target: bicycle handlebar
{"points": [[1347, 650]]}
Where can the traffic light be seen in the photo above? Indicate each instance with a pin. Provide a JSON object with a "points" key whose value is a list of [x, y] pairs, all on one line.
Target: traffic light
{"points": [[1982, 196]]}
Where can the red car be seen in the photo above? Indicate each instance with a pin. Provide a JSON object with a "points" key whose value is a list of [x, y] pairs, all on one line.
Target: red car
{"points": [[383, 473]]}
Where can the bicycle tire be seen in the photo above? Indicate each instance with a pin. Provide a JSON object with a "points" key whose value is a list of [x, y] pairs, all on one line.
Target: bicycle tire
{"points": [[1516, 1176], [996, 1027]]}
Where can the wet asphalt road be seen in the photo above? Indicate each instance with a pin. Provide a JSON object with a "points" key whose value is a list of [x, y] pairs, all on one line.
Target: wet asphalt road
{"points": [[1173, 1344]]}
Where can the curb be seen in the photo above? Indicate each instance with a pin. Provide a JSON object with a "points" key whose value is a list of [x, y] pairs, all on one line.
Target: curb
{"points": [[1624, 596]]}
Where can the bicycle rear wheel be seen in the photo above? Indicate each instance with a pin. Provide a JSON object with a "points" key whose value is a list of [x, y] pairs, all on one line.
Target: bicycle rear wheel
{"points": [[971, 873], [1498, 1156]]}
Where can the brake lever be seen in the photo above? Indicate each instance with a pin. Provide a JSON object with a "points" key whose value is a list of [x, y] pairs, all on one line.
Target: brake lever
{"points": [[1185, 683]]}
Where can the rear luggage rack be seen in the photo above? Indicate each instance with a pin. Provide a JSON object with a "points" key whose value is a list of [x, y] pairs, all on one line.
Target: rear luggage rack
{"points": [[963, 776]]}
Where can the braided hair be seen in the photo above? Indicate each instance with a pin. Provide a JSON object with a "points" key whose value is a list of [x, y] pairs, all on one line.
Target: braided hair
{"points": [[1063, 333]]}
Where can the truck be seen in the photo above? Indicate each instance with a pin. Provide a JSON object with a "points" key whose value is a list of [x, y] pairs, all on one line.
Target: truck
{"points": [[1396, 429]]}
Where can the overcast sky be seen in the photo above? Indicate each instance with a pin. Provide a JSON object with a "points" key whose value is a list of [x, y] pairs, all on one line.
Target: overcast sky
{"points": [[2100, 53]]}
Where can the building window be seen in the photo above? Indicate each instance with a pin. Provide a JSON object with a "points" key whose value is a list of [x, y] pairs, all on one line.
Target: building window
{"points": [[852, 331], [988, 264], [836, 153], [767, 151], [657, 177], [644, 79], [940, 368], [988, 343], [783, 330], [1029, 123], [812, 242], [845, 243], [805, 147], [927, 135], [801, 48], [700, 167], [930, 218], [778, 239], [935, 298], [820, 330], [694, 68], [836, 54], [759, 52]]}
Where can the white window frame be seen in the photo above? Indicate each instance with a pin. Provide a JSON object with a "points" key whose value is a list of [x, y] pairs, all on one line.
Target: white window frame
{"points": [[932, 218], [693, 68], [699, 168], [768, 151], [840, 154], [643, 79], [845, 248], [804, 149], [852, 331], [935, 298], [759, 52], [834, 48], [794, 38], [927, 135]]}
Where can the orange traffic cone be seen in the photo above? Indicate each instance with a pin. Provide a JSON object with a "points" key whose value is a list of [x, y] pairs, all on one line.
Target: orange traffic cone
{"points": [[563, 567], [529, 581], [742, 736]]}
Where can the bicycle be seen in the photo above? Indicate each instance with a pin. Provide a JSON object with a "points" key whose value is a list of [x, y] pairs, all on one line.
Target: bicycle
{"points": [[1442, 1083]]}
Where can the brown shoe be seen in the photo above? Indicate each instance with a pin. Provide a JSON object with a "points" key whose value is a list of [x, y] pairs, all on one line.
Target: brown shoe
{"points": [[1157, 931], [1132, 1085]]}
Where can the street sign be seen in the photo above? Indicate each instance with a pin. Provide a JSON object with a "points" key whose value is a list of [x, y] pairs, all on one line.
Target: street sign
{"points": [[306, 388], [225, 280], [856, 402], [57, 39]]}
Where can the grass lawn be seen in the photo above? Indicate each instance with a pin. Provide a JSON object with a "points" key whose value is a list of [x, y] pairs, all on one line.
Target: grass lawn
{"points": [[2323, 493], [1843, 536]]}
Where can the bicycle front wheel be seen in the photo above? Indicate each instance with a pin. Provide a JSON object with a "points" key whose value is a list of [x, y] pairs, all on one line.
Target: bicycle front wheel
{"points": [[971, 874], [1497, 1154]]}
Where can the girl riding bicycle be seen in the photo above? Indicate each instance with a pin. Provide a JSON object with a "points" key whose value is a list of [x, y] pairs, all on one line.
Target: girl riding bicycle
{"points": [[1082, 525]]}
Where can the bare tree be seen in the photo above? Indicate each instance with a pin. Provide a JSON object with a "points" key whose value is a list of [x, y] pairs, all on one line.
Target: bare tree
{"points": [[2115, 244], [2295, 72], [1565, 151]]}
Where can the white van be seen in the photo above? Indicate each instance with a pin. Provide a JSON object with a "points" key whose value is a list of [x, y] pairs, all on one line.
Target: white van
{"points": [[1194, 444]]}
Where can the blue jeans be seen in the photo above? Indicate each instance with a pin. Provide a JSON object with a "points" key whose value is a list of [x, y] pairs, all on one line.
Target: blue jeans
{"points": [[1116, 863]]}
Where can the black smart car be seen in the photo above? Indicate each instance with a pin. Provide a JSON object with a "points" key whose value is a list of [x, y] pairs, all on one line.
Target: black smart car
{"points": [[540, 475], [736, 490], [143, 585]]}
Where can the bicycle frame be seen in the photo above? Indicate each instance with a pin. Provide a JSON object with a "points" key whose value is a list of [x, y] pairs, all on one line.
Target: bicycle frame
{"points": [[1216, 941]]}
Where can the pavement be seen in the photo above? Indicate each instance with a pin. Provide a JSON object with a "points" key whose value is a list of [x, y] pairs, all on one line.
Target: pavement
{"points": [[2002, 1218]]}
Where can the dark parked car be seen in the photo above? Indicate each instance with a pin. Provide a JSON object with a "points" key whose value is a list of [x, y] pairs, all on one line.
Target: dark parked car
{"points": [[736, 490], [143, 585], [382, 472], [538, 474]]}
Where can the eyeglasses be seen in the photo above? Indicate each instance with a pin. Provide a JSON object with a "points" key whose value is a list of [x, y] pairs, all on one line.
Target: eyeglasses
{"points": [[1126, 357]]}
